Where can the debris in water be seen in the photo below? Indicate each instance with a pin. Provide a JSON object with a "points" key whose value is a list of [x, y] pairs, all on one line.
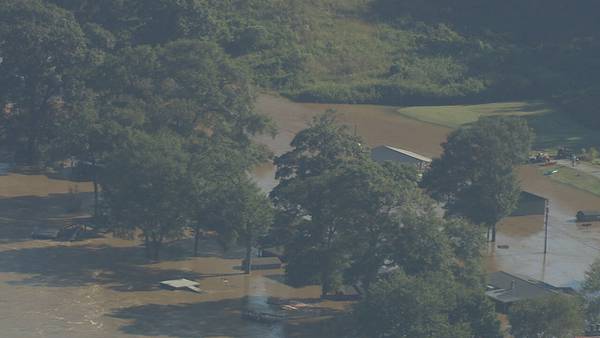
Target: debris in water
{"points": [[181, 284], [503, 246]]}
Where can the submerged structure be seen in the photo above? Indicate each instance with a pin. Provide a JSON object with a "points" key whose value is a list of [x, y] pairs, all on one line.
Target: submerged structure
{"points": [[388, 153]]}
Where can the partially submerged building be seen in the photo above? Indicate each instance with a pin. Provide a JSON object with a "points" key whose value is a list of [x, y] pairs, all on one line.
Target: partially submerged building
{"points": [[588, 216], [387, 153], [505, 289]]}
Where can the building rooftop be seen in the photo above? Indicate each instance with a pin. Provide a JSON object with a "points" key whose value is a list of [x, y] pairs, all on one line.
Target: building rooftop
{"points": [[409, 153], [508, 288]]}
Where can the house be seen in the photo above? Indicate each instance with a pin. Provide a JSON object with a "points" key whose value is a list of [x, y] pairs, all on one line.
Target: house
{"points": [[387, 153], [505, 289], [588, 216]]}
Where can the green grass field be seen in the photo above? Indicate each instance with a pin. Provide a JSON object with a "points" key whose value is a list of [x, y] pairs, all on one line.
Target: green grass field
{"points": [[574, 178], [553, 128]]}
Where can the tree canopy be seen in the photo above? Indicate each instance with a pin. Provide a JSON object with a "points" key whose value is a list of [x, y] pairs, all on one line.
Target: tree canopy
{"points": [[41, 67], [559, 316], [475, 176]]}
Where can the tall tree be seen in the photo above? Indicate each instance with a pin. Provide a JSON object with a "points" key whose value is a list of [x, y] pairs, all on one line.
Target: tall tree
{"points": [[431, 305], [558, 316], [475, 175], [343, 211], [309, 193], [186, 86], [591, 292], [42, 54], [144, 184], [249, 215]]}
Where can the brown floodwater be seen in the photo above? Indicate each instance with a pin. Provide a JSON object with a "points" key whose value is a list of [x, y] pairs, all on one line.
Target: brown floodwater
{"points": [[571, 248], [104, 287]]}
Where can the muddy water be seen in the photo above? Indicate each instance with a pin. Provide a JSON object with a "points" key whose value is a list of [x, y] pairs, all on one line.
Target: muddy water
{"points": [[571, 248], [104, 287]]}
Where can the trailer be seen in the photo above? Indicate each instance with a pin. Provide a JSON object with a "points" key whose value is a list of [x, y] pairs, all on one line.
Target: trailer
{"points": [[588, 216]]}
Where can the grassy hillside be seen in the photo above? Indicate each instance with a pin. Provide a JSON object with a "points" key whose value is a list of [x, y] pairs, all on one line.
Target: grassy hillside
{"points": [[409, 52]]}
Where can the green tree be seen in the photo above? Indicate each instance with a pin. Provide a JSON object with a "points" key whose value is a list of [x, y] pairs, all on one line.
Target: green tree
{"points": [[346, 214], [475, 175], [249, 216], [591, 291], [144, 184], [431, 305], [558, 316], [309, 192], [41, 65]]}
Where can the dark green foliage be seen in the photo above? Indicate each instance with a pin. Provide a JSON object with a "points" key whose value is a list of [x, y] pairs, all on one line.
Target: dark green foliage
{"points": [[558, 316], [475, 175], [193, 81], [337, 205], [591, 287], [378, 51], [143, 183], [40, 75], [425, 306]]}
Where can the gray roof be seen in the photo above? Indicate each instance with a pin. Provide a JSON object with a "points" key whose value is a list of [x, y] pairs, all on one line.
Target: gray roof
{"points": [[508, 288], [408, 153], [589, 212]]}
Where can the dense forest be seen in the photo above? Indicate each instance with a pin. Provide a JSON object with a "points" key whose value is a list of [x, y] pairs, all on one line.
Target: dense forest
{"points": [[404, 52]]}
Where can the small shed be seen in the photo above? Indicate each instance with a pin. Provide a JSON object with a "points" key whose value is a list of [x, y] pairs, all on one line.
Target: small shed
{"points": [[388, 153], [588, 216]]}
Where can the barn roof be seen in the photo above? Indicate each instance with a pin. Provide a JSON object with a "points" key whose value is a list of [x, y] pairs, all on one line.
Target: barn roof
{"points": [[408, 153], [508, 288]]}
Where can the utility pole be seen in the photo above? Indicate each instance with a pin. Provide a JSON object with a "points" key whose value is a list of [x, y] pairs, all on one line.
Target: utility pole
{"points": [[546, 227]]}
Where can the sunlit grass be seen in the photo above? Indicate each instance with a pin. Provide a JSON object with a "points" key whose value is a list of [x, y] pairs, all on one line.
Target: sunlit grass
{"points": [[574, 178], [552, 127]]}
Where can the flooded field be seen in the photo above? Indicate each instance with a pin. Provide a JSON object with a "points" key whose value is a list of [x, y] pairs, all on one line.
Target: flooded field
{"points": [[104, 287]]}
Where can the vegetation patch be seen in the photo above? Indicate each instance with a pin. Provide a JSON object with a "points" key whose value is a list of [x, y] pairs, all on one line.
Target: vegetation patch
{"points": [[574, 178], [553, 128]]}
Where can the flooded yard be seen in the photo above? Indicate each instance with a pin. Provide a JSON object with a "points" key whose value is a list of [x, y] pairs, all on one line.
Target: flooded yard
{"points": [[571, 248], [104, 287]]}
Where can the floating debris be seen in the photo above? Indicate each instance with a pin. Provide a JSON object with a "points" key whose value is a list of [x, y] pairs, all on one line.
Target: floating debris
{"points": [[181, 284]]}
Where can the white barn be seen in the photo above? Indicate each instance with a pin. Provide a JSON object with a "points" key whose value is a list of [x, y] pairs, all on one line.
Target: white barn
{"points": [[387, 153]]}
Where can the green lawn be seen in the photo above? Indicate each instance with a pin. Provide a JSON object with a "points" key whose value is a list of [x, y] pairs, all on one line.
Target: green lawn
{"points": [[574, 178], [553, 128]]}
